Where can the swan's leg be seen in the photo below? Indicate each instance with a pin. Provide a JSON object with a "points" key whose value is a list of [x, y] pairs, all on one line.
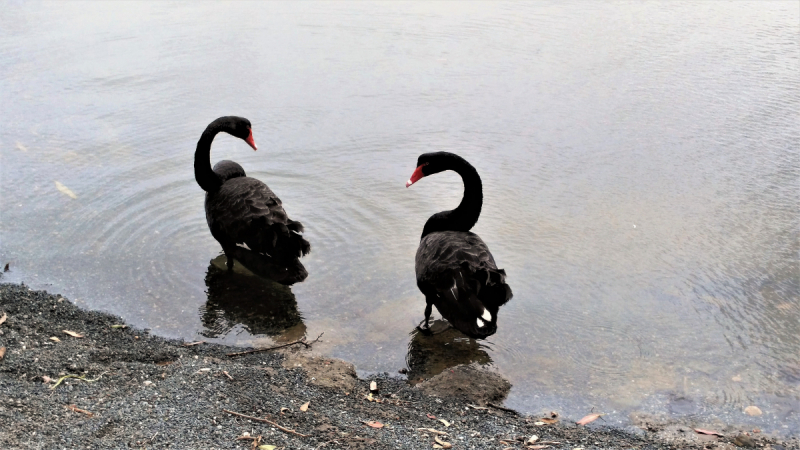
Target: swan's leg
{"points": [[424, 327], [428, 310], [229, 256]]}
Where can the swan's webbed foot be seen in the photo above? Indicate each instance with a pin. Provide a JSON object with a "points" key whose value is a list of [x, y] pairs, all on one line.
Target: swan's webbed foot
{"points": [[425, 326]]}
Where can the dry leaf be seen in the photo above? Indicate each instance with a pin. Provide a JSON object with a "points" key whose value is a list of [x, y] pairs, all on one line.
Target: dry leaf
{"points": [[267, 447], [5, 316], [73, 334], [284, 409], [532, 439], [713, 433], [373, 386], [65, 190], [548, 420], [47, 379], [539, 424], [442, 443], [2, 352], [304, 407], [537, 447], [589, 419], [446, 423], [119, 326], [55, 339], [374, 424]]}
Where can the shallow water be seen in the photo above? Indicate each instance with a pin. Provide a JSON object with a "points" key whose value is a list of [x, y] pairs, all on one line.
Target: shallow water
{"points": [[640, 165]]}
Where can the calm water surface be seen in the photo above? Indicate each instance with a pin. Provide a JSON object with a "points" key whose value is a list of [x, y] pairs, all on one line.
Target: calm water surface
{"points": [[640, 164]]}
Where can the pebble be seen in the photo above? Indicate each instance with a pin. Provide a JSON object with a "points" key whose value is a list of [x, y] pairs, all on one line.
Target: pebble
{"points": [[753, 410]]}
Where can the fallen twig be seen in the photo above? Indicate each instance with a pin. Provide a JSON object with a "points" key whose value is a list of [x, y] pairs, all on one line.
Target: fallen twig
{"points": [[191, 344], [227, 374], [258, 350], [433, 431], [501, 408], [258, 419], [82, 411]]}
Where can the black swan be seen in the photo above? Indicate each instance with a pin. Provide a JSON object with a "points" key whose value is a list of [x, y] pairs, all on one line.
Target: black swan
{"points": [[243, 210], [455, 270]]}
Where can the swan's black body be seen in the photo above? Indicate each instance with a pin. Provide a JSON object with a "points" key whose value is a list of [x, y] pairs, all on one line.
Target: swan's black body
{"points": [[455, 270], [243, 210]]}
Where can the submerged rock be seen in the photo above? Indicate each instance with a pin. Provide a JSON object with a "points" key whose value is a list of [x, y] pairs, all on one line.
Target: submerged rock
{"points": [[472, 383]]}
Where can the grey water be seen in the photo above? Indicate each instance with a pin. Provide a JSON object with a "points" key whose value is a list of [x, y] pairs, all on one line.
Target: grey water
{"points": [[640, 165]]}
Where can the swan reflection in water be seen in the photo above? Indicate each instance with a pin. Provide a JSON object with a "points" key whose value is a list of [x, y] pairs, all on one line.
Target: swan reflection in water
{"points": [[432, 351], [248, 296]]}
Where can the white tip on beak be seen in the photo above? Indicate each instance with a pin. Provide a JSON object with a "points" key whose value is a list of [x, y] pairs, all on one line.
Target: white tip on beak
{"points": [[409, 182]]}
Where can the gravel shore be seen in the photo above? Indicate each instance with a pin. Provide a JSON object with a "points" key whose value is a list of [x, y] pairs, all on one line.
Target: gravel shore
{"points": [[128, 389]]}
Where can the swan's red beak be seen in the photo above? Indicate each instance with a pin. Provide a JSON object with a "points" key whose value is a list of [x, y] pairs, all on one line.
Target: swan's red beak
{"points": [[250, 141], [415, 176]]}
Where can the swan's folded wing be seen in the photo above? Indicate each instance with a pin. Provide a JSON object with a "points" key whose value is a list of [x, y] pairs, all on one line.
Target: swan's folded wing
{"points": [[244, 207], [445, 251]]}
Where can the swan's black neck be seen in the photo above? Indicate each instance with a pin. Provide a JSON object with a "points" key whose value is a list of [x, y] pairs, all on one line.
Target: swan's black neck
{"points": [[465, 216], [205, 176]]}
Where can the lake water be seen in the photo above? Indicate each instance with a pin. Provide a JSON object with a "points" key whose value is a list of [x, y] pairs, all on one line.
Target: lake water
{"points": [[640, 165]]}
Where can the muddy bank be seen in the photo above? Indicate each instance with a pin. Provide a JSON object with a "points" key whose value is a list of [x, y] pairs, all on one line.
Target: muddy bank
{"points": [[129, 389]]}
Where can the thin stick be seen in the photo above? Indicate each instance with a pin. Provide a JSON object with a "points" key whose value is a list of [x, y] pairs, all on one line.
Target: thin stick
{"points": [[502, 408], [259, 350], [190, 344], [82, 411], [285, 430]]}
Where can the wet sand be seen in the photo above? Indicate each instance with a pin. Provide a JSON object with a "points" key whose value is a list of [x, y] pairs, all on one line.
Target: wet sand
{"points": [[126, 388]]}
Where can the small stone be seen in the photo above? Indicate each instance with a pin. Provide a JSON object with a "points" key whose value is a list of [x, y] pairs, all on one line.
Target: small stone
{"points": [[753, 410], [744, 440]]}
